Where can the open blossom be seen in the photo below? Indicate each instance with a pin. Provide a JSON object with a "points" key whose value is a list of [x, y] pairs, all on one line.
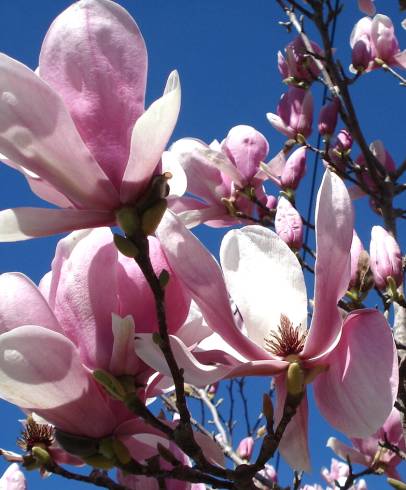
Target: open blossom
{"points": [[373, 41], [337, 354], [368, 451], [13, 478], [83, 317], [294, 115], [77, 130], [217, 173]]}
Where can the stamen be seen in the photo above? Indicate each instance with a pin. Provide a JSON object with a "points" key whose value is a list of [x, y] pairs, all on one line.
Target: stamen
{"points": [[35, 435], [287, 340]]}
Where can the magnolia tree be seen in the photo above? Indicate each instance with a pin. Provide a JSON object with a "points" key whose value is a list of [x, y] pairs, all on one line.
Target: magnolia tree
{"points": [[134, 353]]}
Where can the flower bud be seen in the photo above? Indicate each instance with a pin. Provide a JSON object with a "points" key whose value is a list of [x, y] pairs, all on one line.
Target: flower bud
{"points": [[288, 224], [269, 473], [386, 258], [367, 7], [361, 276], [245, 448], [328, 117], [294, 169], [246, 148]]}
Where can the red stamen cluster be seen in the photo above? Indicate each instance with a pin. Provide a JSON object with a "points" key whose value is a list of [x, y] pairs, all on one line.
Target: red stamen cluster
{"points": [[287, 340], [35, 434]]}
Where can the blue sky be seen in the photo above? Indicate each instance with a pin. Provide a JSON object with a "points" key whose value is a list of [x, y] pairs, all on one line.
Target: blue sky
{"points": [[225, 52]]}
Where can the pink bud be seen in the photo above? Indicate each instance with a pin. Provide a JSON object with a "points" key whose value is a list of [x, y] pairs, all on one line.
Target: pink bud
{"points": [[245, 448], [356, 249], [246, 148], [282, 65], [212, 390], [300, 65], [386, 258], [294, 169], [343, 140], [382, 155], [288, 224], [363, 51], [367, 6], [328, 117], [269, 473], [294, 113], [13, 478]]}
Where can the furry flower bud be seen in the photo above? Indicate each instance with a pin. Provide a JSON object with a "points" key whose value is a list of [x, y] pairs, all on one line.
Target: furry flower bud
{"points": [[386, 258]]}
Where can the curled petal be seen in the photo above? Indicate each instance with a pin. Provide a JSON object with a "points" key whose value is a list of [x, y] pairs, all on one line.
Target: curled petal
{"points": [[149, 138]]}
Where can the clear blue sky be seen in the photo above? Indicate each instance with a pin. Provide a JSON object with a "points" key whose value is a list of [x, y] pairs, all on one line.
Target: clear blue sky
{"points": [[225, 52]]}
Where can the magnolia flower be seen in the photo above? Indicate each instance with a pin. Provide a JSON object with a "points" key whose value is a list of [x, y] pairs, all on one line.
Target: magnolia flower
{"points": [[373, 42], [76, 128], [288, 224], [265, 280], [245, 448], [298, 67], [368, 451], [13, 478], [287, 174], [217, 176], [367, 6], [386, 258], [83, 317], [328, 117], [294, 113]]}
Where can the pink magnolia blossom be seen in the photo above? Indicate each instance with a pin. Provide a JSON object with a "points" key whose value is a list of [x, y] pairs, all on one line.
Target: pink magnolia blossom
{"points": [[338, 473], [287, 174], [368, 452], [77, 130], [367, 6], [328, 117], [13, 478], [217, 173], [294, 115], [373, 41], [384, 158], [288, 224], [84, 316], [298, 65], [245, 448], [265, 281], [386, 258]]}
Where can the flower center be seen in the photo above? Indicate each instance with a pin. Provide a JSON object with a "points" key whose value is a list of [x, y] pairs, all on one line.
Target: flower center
{"points": [[35, 434], [287, 340]]}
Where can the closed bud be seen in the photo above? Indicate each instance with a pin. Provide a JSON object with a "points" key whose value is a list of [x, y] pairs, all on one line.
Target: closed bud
{"points": [[125, 246], [396, 484], [361, 275], [288, 224], [100, 462], [295, 379], [386, 258], [328, 117], [152, 217], [294, 169], [111, 384], [127, 220], [245, 448]]}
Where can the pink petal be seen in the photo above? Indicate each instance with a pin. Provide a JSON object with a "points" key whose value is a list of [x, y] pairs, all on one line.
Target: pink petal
{"points": [[24, 223], [279, 125], [334, 225], [357, 392], [195, 372], [13, 478], [94, 56], [204, 180], [294, 445], [37, 132], [367, 6], [16, 292], [149, 138], [40, 371], [84, 293], [201, 276], [343, 450], [400, 58]]}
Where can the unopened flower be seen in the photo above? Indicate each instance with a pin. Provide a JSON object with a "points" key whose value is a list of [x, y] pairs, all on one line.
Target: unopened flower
{"points": [[328, 117], [13, 478], [245, 448], [294, 115], [288, 224], [386, 258]]}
